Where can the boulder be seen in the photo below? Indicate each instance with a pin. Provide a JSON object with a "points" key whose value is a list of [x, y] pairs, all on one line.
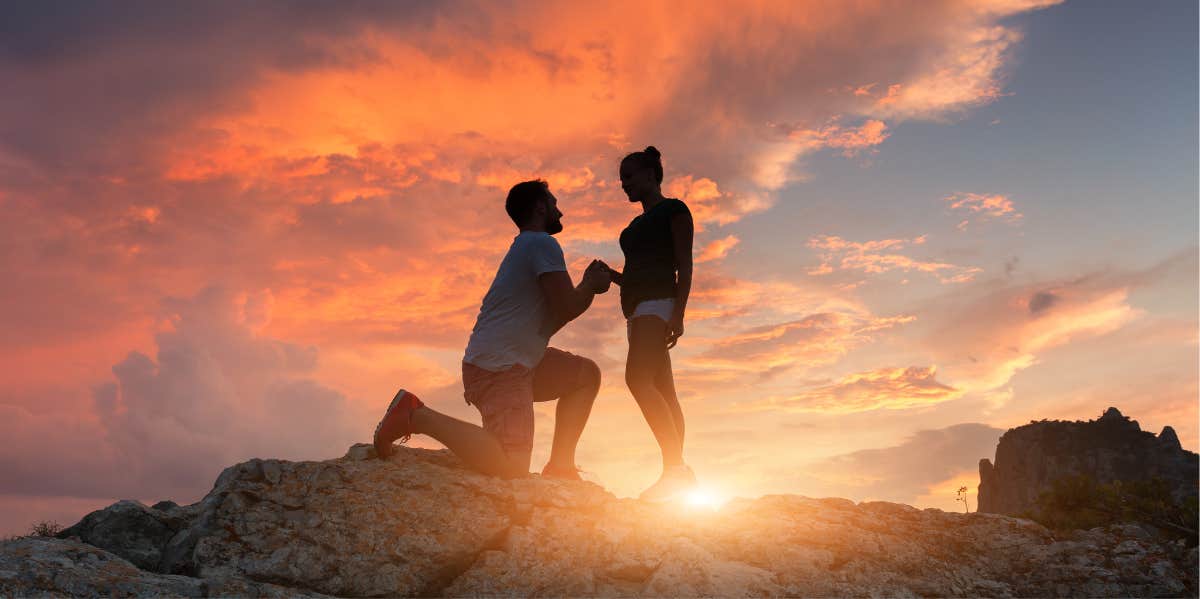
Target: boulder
{"points": [[128, 529]]}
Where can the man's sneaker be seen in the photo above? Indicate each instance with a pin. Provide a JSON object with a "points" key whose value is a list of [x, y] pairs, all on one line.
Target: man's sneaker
{"points": [[674, 481], [396, 422], [561, 473]]}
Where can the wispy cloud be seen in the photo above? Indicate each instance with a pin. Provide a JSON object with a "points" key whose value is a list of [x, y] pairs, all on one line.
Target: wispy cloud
{"points": [[909, 471], [850, 140], [877, 257], [816, 339], [981, 207], [984, 343], [883, 388]]}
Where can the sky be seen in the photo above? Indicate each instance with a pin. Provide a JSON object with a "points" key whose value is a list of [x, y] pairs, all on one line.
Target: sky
{"points": [[233, 231]]}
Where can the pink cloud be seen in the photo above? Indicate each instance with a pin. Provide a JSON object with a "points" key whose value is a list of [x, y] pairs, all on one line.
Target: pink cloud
{"points": [[983, 207], [988, 339], [817, 339], [216, 392], [881, 256], [717, 249], [850, 140]]}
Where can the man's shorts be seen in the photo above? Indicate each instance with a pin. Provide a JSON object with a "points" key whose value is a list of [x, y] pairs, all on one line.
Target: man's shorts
{"points": [[505, 398]]}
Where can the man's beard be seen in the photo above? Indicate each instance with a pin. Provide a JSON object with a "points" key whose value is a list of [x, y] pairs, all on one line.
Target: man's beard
{"points": [[554, 227]]}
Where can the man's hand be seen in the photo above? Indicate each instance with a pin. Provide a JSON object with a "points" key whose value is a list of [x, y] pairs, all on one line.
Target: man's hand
{"points": [[596, 277]]}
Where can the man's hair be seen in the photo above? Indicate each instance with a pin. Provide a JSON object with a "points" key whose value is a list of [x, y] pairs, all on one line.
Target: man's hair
{"points": [[523, 198]]}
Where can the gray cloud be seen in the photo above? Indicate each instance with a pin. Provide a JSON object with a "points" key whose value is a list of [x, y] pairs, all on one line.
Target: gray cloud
{"points": [[902, 472], [215, 393], [1041, 301]]}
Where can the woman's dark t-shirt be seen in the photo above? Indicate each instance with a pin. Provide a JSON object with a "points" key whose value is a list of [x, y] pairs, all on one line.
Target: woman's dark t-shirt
{"points": [[649, 255]]}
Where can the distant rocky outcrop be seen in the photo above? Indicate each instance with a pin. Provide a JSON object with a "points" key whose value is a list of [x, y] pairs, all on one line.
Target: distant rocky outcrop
{"points": [[418, 524], [1030, 458]]}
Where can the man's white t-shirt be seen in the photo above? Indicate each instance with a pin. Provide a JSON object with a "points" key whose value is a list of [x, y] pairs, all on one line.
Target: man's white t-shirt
{"points": [[514, 322]]}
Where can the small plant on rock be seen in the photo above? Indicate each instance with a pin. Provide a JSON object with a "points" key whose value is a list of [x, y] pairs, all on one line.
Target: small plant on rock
{"points": [[961, 495], [45, 528]]}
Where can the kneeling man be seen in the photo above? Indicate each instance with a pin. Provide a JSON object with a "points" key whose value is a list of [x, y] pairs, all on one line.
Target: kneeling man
{"points": [[508, 365]]}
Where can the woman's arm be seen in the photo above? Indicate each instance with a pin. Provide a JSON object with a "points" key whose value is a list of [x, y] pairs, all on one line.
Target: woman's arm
{"points": [[682, 230]]}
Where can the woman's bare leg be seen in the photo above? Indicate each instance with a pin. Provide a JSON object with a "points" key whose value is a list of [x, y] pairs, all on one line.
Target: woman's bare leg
{"points": [[647, 353], [665, 382]]}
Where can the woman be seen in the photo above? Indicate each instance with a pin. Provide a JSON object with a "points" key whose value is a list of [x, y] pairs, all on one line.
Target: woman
{"points": [[654, 293]]}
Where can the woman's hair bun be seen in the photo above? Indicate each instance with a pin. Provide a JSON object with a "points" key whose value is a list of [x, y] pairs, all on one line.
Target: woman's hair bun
{"points": [[653, 151]]}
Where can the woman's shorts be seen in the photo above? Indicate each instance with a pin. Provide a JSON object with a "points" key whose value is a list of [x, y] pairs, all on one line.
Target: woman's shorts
{"points": [[661, 308]]}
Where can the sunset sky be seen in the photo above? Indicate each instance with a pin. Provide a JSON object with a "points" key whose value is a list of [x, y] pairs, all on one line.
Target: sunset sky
{"points": [[233, 230]]}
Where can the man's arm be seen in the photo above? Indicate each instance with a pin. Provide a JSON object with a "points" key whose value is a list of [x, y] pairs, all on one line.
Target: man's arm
{"points": [[568, 301]]}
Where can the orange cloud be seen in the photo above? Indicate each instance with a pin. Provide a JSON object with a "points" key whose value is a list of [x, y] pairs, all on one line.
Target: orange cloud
{"points": [[850, 140], [870, 257], [967, 77], [984, 207], [717, 249], [883, 388]]}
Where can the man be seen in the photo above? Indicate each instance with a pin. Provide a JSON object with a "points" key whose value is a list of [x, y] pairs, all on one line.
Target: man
{"points": [[508, 365]]}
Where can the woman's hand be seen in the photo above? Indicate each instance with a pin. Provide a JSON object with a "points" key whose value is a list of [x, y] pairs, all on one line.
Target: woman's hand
{"points": [[613, 275], [674, 329]]}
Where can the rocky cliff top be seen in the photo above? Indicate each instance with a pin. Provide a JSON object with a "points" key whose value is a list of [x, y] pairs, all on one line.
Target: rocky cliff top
{"points": [[1030, 458], [418, 524]]}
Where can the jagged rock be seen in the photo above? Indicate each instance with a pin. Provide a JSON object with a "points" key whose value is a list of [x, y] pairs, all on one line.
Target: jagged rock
{"points": [[1168, 438], [418, 524], [1030, 458], [128, 529]]}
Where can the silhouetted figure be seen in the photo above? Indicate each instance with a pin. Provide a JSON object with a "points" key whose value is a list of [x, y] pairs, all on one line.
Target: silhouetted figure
{"points": [[507, 365], [654, 291]]}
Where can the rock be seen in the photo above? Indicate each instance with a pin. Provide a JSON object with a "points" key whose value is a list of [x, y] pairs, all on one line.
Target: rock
{"points": [[419, 524], [46, 566], [1030, 458], [128, 529], [1168, 438]]}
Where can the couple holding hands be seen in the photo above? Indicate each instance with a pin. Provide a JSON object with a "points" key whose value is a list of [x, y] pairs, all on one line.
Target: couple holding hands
{"points": [[508, 364]]}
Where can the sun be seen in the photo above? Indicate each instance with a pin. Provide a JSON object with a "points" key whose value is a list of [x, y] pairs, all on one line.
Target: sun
{"points": [[701, 498]]}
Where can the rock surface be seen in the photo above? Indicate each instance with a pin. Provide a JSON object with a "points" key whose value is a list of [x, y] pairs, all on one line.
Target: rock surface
{"points": [[51, 567], [419, 525], [1030, 458]]}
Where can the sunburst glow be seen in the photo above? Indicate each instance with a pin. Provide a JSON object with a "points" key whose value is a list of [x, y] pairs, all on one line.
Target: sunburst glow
{"points": [[702, 498]]}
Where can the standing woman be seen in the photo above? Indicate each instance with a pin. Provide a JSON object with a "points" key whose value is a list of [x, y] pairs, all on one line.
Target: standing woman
{"points": [[654, 293]]}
